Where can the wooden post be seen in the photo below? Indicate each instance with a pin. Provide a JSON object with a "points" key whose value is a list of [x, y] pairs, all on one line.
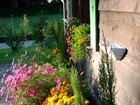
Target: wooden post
{"points": [[93, 24]]}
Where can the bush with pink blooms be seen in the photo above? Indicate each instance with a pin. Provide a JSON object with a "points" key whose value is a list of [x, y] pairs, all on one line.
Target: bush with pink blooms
{"points": [[27, 85]]}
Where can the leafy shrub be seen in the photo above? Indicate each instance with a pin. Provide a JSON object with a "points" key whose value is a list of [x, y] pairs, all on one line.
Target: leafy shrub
{"points": [[14, 37], [39, 29], [31, 84], [56, 32], [107, 79], [77, 42], [79, 99]]}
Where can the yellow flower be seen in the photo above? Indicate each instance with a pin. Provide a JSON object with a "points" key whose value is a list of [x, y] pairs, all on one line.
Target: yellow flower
{"points": [[65, 99], [70, 100], [50, 101], [86, 102], [54, 98], [60, 102], [60, 95], [65, 93], [62, 89]]}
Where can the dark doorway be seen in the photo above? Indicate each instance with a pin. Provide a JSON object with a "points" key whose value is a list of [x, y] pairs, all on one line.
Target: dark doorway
{"points": [[80, 10]]}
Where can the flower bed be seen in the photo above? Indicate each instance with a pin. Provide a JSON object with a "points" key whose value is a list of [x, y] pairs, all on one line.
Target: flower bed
{"points": [[43, 85]]}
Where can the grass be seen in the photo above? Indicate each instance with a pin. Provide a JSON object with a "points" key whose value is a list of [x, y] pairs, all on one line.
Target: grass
{"points": [[6, 55], [31, 20]]}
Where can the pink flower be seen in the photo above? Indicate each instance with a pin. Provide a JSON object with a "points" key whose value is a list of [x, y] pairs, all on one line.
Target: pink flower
{"points": [[1, 90], [33, 92], [81, 73], [41, 82], [48, 70], [58, 83]]}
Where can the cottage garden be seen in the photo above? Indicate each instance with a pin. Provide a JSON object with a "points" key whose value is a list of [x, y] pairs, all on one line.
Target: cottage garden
{"points": [[52, 71]]}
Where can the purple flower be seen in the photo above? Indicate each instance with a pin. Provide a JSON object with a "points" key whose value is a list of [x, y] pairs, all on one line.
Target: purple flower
{"points": [[58, 83], [33, 92], [48, 70], [81, 73], [41, 82]]}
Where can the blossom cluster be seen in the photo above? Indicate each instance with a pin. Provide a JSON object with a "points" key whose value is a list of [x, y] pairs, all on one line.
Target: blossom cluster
{"points": [[17, 84], [60, 95], [76, 41]]}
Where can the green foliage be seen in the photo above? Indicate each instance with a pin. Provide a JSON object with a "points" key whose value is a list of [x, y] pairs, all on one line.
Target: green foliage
{"points": [[79, 41], [52, 41], [14, 37], [24, 25], [33, 81], [8, 56], [40, 82], [59, 36], [107, 80], [75, 84], [39, 29], [74, 22]]}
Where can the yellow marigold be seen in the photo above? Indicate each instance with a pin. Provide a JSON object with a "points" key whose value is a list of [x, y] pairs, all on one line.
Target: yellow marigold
{"points": [[50, 101], [86, 102], [60, 95], [65, 93], [45, 102], [62, 89], [71, 99], [54, 98], [65, 99], [60, 102], [64, 83]]}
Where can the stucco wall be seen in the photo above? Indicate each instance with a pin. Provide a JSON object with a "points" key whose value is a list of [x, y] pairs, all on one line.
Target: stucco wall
{"points": [[120, 23]]}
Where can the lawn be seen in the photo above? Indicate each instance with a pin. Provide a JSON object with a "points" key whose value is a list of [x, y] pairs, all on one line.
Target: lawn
{"points": [[6, 55], [31, 20]]}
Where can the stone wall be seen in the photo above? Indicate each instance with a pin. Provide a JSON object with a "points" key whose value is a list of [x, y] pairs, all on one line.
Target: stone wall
{"points": [[120, 23]]}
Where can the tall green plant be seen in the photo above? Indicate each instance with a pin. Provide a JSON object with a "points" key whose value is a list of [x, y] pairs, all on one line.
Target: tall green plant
{"points": [[75, 84], [107, 79], [24, 25], [60, 37]]}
